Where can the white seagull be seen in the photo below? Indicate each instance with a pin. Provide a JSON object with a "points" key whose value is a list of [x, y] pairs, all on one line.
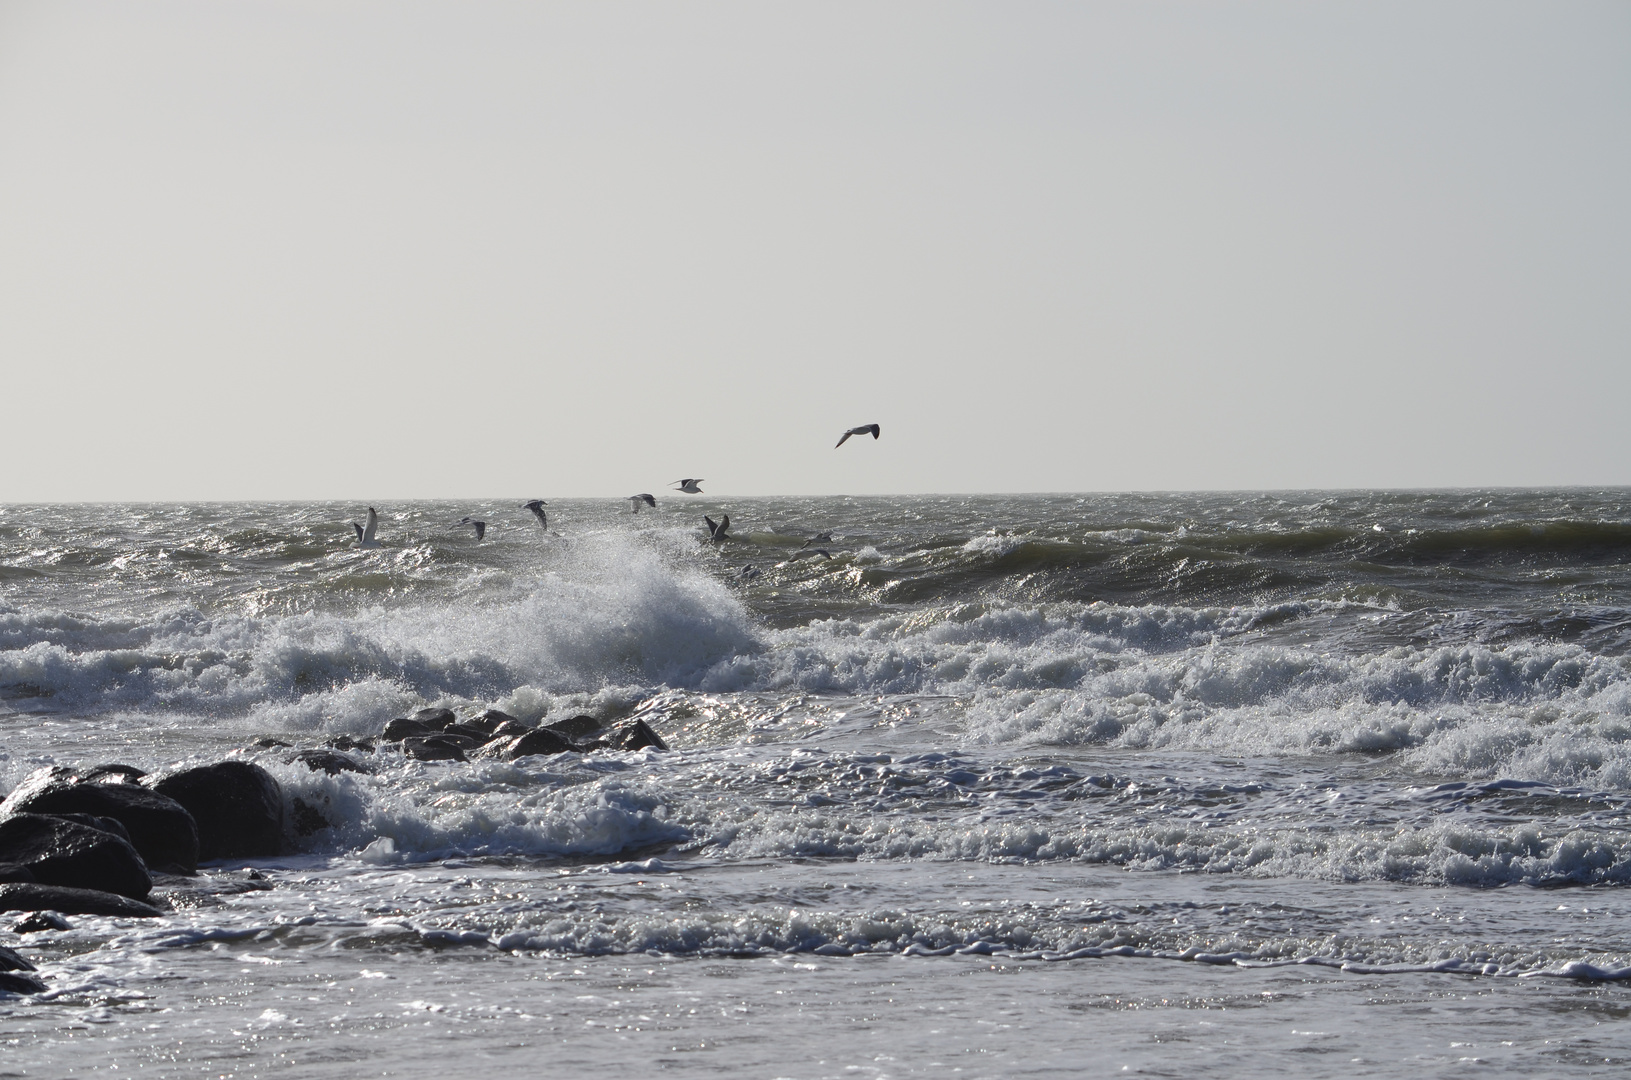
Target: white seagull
{"points": [[638, 499], [689, 486], [864, 429], [365, 536], [480, 526], [716, 531], [537, 508]]}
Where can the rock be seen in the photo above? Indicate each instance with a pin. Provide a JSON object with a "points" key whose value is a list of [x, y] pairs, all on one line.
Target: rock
{"points": [[401, 728], [635, 735], [477, 735], [10, 961], [540, 741], [575, 727], [510, 729], [106, 824], [41, 920], [434, 748], [306, 818], [437, 719], [330, 761], [489, 720], [16, 982], [111, 774], [158, 827], [346, 742], [269, 742], [36, 849], [238, 807], [60, 898]]}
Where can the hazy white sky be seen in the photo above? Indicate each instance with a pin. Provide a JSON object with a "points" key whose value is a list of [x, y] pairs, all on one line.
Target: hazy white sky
{"points": [[391, 250]]}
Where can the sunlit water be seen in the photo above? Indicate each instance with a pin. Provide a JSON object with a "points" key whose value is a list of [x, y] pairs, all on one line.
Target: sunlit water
{"points": [[1304, 784]]}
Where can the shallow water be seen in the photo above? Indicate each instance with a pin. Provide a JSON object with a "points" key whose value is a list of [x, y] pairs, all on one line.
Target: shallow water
{"points": [[1300, 782]]}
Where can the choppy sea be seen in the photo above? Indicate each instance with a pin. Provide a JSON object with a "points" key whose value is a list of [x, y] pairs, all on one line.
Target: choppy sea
{"points": [[1311, 784]]}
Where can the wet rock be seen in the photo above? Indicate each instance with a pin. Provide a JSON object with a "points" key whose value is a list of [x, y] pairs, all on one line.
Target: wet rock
{"points": [[490, 720], [106, 824], [434, 748], [36, 849], [635, 735], [306, 818], [330, 761], [158, 827], [40, 921], [510, 729], [476, 735], [17, 982], [346, 742], [540, 741], [61, 898], [402, 728], [575, 727], [437, 719], [111, 774], [270, 743], [10, 961], [238, 807]]}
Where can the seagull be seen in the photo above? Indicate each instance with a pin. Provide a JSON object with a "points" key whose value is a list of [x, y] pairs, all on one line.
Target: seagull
{"points": [[716, 531], [537, 508], [481, 526], [749, 573], [819, 538], [797, 555], [689, 486], [365, 537], [638, 499], [864, 429]]}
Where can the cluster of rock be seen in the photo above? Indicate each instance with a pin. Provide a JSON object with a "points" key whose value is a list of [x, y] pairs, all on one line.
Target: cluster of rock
{"points": [[88, 842], [439, 735]]}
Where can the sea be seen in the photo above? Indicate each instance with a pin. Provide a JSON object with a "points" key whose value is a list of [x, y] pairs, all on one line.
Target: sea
{"points": [[1227, 784]]}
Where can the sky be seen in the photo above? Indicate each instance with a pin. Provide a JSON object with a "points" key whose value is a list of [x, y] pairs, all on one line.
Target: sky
{"points": [[401, 250]]}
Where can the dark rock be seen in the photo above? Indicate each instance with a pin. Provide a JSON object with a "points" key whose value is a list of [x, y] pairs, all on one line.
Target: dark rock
{"points": [[636, 735], [158, 827], [270, 743], [111, 774], [106, 824], [41, 920], [434, 748], [330, 761], [475, 734], [541, 741], [10, 961], [575, 727], [16, 982], [36, 849], [346, 742], [306, 818], [437, 719], [510, 729], [238, 807], [489, 720], [400, 729], [61, 898]]}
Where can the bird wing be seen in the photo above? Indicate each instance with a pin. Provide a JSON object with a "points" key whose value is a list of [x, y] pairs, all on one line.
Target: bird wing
{"points": [[713, 527], [481, 528], [843, 440], [724, 523], [875, 430], [354, 525], [373, 525]]}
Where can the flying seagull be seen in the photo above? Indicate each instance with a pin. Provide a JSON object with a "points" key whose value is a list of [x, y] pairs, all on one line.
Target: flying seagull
{"points": [[537, 508], [480, 526], [819, 538], [638, 499], [716, 531], [864, 429], [689, 486], [811, 553], [365, 536]]}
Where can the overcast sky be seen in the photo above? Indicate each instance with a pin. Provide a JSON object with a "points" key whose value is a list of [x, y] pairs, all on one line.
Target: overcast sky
{"points": [[394, 250]]}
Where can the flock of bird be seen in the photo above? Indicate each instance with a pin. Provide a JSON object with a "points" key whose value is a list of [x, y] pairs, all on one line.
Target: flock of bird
{"points": [[689, 486]]}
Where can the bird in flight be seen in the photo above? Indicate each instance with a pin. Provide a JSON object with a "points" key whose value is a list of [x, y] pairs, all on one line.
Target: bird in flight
{"points": [[864, 429], [716, 530], [365, 537], [537, 508], [480, 526], [638, 499], [689, 486]]}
